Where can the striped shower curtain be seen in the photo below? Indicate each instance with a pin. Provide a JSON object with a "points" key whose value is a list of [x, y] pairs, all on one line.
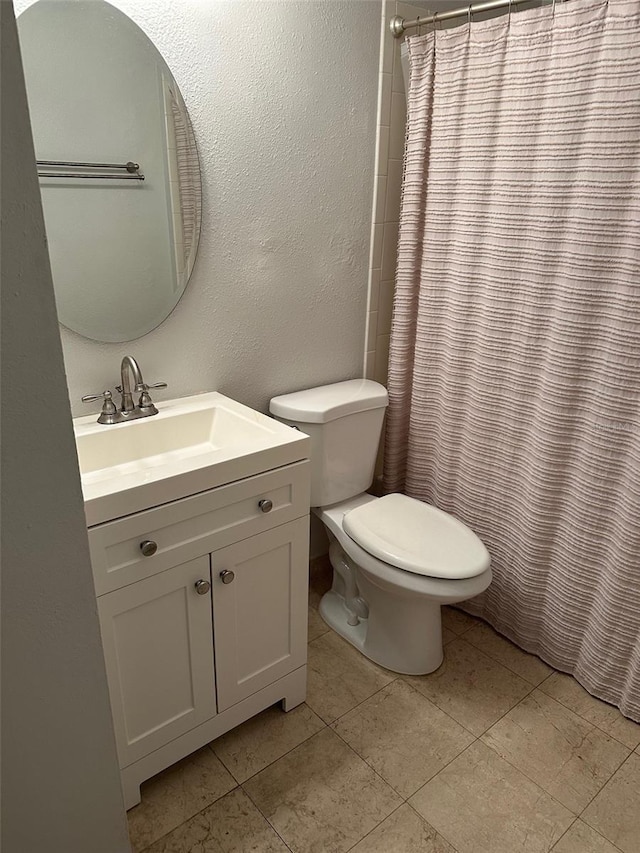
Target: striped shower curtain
{"points": [[514, 373]]}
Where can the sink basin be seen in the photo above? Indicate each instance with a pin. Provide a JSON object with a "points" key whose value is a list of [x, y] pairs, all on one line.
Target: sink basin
{"points": [[192, 444], [155, 441]]}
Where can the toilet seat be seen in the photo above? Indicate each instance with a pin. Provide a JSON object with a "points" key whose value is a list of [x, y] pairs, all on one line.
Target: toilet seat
{"points": [[391, 578], [416, 537]]}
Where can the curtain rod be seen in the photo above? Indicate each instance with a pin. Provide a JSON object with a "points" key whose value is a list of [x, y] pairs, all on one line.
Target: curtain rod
{"points": [[398, 25]]}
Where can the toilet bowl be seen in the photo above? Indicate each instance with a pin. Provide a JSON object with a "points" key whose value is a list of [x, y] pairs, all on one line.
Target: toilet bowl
{"points": [[399, 624], [396, 560]]}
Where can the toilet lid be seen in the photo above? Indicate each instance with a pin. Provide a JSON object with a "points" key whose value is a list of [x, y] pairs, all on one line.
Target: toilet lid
{"points": [[417, 537]]}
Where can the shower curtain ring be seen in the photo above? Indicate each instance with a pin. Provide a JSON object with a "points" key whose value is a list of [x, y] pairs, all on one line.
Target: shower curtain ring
{"points": [[553, 9], [509, 14], [469, 10]]}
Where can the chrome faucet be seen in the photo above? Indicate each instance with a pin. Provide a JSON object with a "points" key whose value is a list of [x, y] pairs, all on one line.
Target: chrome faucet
{"points": [[128, 411], [129, 364]]}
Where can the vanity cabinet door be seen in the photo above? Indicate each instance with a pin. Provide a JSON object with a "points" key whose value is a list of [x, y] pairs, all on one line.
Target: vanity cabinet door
{"points": [[260, 610], [158, 648]]}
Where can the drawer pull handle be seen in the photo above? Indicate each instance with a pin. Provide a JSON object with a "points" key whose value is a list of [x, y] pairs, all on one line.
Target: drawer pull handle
{"points": [[202, 587], [265, 505], [148, 547], [227, 577]]}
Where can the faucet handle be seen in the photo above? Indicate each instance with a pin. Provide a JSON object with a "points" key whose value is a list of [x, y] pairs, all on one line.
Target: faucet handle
{"points": [[145, 402], [109, 413], [143, 387], [104, 395]]}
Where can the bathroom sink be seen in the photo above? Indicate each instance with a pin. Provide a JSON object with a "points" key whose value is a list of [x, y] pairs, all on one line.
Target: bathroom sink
{"points": [[192, 444]]}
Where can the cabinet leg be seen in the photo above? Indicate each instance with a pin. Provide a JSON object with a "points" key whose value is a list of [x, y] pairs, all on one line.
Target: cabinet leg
{"points": [[130, 789], [297, 690]]}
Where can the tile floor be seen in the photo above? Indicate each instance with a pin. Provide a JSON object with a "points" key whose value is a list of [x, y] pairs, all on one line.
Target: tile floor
{"points": [[493, 753]]}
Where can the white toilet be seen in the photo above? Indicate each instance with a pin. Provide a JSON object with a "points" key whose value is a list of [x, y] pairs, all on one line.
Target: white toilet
{"points": [[395, 559]]}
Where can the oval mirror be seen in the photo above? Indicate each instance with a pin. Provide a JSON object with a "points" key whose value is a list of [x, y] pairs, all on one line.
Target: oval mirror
{"points": [[118, 167]]}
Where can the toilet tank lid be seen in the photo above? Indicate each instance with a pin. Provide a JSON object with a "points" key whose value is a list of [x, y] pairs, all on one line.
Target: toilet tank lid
{"points": [[328, 402]]}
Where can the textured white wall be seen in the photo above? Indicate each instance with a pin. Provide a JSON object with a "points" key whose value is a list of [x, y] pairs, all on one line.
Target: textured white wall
{"points": [[60, 782], [283, 100]]}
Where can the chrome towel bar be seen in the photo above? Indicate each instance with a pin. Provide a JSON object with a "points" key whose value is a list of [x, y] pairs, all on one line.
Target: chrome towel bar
{"points": [[131, 170]]}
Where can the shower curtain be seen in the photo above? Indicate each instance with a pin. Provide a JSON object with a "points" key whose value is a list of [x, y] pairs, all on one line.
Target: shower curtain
{"points": [[514, 375]]}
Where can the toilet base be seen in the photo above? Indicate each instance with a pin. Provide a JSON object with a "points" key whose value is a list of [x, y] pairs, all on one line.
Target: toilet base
{"points": [[408, 640]]}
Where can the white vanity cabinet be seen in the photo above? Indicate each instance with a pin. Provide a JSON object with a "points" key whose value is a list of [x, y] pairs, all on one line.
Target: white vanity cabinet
{"points": [[210, 627]]}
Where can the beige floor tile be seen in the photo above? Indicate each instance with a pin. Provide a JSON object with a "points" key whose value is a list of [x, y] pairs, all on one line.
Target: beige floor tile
{"points": [[457, 621], [231, 825], [615, 812], [321, 797], [404, 832], [263, 739], [482, 804], [447, 635], [176, 794], [339, 677], [403, 736], [317, 625], [564, 754], [472, 688], [527, 666], [580, 838], [566, 689]]}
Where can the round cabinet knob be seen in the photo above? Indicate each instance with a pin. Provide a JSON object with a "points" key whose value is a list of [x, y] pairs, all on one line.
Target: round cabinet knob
{"points": [[265, 505], [202, 587], [227, 577], [148, 547]]}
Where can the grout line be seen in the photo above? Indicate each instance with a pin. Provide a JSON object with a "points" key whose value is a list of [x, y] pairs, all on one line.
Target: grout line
{"points": [[182, 823], [402, 678], [375, 693], [373, 769], [340, 716], [362, 757], [506, 665], [564, 833], [531, 686], [259, 810], [535, 782], [422, 817], [275, 760], [375, 827], [442, 711], [553, 672], [592, 828], [600, 791], [595, 699], [238, 784]]}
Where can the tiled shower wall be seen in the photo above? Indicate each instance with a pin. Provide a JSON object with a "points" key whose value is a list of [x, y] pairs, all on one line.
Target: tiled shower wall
{"points": [[386, 202]]}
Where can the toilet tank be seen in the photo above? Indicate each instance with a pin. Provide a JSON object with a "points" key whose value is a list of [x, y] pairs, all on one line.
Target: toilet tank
{"points": [[343, 421]]}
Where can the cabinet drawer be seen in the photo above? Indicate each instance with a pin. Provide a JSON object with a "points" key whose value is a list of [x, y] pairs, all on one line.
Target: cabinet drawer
{"points": [[193, 526]]}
